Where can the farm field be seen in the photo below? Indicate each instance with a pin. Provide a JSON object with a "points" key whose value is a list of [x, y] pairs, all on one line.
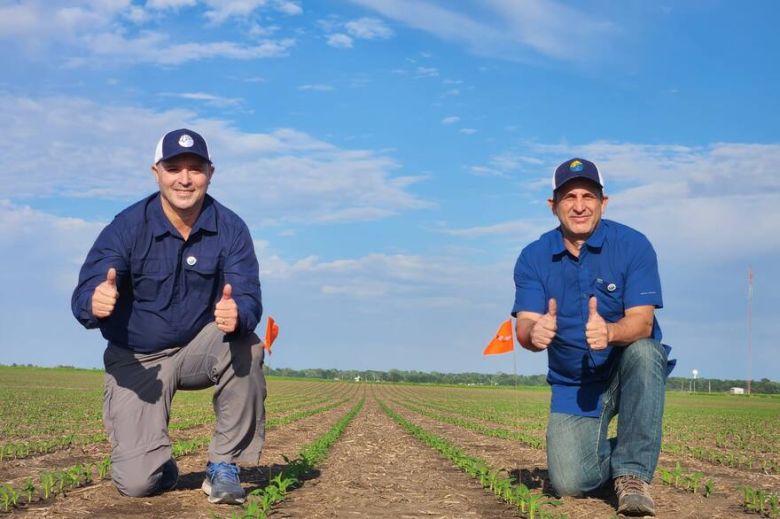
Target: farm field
{"points": [[345, 449]]}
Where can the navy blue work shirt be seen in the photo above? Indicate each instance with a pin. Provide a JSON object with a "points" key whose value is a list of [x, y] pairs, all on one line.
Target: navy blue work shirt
{"points": [[168, 287], [617, 265]]}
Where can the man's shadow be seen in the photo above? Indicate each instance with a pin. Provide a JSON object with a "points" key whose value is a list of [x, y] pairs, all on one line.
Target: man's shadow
{"points": [[537, 478], [252, 478]]}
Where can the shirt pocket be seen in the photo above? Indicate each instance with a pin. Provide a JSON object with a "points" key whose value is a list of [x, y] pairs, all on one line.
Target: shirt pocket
{"points": [[610, 299], [203, 277], [149, 279]]}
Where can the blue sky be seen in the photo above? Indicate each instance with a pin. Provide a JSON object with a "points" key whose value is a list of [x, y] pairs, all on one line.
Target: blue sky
{"points": [[392, 157]]}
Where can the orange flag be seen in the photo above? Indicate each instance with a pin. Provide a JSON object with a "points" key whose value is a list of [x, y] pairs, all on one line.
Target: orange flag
{"points": [[271, 331], [502, 342]]}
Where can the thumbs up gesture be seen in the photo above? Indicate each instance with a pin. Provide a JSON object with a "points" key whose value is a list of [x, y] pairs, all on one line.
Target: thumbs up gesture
{"points": [[105, 296], [596, 331], [226, 311], [545, 327]]}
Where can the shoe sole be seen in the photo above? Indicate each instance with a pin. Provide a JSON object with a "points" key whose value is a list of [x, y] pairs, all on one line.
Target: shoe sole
{"points": [[222, 500], [636, 511]]}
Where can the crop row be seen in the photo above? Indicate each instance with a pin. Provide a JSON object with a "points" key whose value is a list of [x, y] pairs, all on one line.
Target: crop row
{"points": [[292, 475], [479, 428], [761, 502], [692, 482], [505, 488], [503, 415]]}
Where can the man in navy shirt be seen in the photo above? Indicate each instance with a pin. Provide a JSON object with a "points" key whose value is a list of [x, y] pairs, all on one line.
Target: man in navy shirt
{"points": [[586, 293], [172, 283]]}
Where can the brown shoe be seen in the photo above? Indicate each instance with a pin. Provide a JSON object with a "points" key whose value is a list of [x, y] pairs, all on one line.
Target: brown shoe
{"points": [[633, 496]]}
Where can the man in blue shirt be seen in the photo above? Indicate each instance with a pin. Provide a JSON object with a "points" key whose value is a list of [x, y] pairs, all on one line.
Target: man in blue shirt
{"points": [[586, 293], [172, 283]]}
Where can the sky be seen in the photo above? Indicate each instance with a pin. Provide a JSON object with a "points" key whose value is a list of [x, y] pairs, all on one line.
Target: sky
{"points": [[392, 157]]}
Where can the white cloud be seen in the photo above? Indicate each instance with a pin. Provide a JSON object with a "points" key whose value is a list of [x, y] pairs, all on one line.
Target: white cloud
{"points": [[508, 163], [52, 247], [151, 47], [221, 10], [426, 72], [719, 200], [468, 131], [318, 87], [105, 152], [288, 8], [368, 29], [522, 230], [505, 29], [95, 32], [170, 4], [209, 99], [452, 119], [340, 41]]}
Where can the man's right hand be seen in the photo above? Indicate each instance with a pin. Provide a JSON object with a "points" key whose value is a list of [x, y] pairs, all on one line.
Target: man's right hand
{"points": [[105, 295], [543, 331]]}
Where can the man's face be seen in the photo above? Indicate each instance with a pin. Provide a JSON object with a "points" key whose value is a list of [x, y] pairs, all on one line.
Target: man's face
{"points": [[578, 207], [183, 181]]}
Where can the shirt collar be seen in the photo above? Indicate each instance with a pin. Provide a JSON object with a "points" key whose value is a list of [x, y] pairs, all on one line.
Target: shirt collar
{"points": [[207, 219], [594, 241]]}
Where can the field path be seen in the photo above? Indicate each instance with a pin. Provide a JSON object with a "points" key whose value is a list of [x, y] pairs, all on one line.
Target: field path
{"points": [[378, 470]]}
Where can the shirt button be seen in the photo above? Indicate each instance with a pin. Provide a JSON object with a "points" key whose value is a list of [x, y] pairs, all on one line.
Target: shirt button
{"points": [[191, 260]]}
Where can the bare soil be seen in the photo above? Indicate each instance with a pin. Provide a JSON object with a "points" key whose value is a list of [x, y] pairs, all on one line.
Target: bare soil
{"points": [[379, 470]]}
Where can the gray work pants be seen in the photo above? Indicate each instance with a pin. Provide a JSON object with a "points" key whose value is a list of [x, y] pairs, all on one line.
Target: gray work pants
{"points": [[139, 388]]}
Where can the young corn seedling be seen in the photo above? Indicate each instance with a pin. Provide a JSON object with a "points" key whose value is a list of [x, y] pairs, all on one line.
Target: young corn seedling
{"points": [[9, 496], [709, 486], [29, 488], [47, 483], [103, 467]]}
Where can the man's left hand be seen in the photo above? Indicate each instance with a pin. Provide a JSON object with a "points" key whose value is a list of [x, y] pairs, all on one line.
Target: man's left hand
{"points": [[226, 311], [596, 330]]}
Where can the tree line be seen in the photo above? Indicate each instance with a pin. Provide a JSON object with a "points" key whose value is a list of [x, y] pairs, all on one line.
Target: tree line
{"points": [[764, 386], [702, 385]]}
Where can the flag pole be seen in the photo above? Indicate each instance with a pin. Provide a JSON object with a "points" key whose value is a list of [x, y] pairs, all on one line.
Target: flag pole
{"points": [[750, 331], [517, 394]]}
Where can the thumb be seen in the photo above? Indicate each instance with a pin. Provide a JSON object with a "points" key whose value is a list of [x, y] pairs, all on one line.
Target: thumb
{"points": [[111, 277], [552, 307], [227, 292], [592, 306]]}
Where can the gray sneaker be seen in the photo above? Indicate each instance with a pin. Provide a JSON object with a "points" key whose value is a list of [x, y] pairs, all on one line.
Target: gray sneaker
{"points": [[222, 484], [633, 496]]}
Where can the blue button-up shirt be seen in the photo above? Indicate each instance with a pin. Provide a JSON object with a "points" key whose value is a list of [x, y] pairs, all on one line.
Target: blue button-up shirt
{"points": [[617, 265], [168, 287]]}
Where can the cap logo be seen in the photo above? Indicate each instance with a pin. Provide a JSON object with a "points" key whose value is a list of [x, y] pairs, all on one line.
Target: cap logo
{"points": [[576, 166], [185, 141]]}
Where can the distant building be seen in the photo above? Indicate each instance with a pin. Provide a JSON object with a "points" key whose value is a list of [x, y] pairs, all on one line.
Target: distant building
{"points": [[737, 391], [357, 378]]}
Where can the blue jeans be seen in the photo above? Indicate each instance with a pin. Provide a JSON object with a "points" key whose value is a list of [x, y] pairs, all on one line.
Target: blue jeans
{"points": [[581, 458]]}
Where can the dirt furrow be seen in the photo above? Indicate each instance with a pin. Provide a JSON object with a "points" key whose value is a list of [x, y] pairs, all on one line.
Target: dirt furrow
{"points": [[378, 470], [529, 466]]}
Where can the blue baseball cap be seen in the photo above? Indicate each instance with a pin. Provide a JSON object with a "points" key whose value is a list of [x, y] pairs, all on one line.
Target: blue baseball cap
{"points": [[576, 168], [179, 142]]}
